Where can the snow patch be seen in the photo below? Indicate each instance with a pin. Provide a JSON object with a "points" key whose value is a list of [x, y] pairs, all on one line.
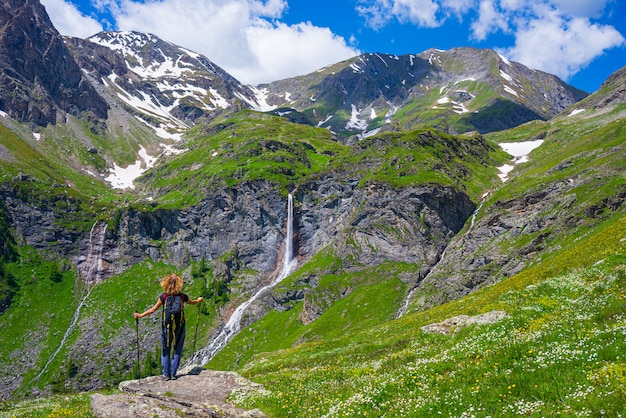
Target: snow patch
{"points": [[329, 117], [433, 58], [355, 122], [509, 90], [520, 152], [505, 59], [356, 69], [37, 136], [381, 58], [146, 104], [576, 111], [261, 95], [507, 77], [122, 178], [170, 150]]}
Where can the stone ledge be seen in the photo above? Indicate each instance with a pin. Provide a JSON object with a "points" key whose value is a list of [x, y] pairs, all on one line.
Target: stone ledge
{"points": [[199, 393]]}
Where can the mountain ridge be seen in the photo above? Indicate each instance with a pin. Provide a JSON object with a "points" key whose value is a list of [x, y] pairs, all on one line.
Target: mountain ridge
{"points": [[374, 84]]}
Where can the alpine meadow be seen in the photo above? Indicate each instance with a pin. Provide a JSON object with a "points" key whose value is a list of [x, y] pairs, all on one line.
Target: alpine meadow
{"points": [[434, 234]]}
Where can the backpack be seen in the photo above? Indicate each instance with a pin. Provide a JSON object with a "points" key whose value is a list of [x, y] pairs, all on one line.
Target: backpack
{"points": [[173, 310]]}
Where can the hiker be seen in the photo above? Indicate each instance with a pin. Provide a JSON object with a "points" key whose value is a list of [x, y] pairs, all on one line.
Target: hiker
{"points": [[172, 323]]}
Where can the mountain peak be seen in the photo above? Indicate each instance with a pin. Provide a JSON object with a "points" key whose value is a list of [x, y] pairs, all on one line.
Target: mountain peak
{"points": [[167, 86], [456, 90]]}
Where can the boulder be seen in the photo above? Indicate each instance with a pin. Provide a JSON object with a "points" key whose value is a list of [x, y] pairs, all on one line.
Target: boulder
{"points": [[452, 324]]}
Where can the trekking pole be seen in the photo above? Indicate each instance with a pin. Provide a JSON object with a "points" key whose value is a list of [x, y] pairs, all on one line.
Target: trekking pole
{"points": [[137, 339], [196, 333]]}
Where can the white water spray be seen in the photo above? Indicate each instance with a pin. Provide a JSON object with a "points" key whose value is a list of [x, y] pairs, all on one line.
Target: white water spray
{"points": [[233, 325], [94, 256]]}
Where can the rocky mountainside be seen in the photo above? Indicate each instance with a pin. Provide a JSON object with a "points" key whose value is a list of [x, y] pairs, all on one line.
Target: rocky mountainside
{"points": [[459, 90], [38, 76], [572, 183], [167, 86]]}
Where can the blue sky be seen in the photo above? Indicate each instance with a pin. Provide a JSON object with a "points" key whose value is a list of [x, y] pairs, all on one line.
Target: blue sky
{"points": [[256, 41]]}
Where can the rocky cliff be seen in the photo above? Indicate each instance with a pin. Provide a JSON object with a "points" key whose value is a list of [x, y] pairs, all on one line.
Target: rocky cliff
{"points": [[38, 75]]}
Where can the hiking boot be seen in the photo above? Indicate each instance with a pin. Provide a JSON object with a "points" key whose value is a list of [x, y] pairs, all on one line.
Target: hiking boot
{"points": [[166, 377]]}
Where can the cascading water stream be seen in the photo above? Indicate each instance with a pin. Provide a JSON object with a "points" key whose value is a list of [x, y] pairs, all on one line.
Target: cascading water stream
{"points": [[520, 152], [94, 257], [233, 325], [408, 297]]}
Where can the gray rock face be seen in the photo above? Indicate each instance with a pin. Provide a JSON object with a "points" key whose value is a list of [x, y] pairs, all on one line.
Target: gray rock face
{"points": [[487, 251], [38, 76], [201, 393]]}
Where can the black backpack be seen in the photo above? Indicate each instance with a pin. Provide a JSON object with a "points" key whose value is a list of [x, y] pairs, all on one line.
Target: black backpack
{"points": [[173, 310]]}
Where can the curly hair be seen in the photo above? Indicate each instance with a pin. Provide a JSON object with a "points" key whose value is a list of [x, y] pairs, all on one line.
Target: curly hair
{"points": [[172, 284]]}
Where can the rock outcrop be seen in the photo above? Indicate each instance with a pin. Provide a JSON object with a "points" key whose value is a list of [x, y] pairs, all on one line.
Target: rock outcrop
{"points": [[200, 393], [450, 325]]}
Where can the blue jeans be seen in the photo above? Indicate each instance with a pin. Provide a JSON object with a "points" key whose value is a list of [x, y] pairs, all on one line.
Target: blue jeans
{"points": [[172, 339]]}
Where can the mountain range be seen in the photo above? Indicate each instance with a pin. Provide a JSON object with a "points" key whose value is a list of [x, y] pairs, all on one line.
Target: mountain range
{"points": [[125, 157]]}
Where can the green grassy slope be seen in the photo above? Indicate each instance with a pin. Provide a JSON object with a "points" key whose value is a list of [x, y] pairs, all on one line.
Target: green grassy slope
{"points": [[106, 317], [559, 352]]}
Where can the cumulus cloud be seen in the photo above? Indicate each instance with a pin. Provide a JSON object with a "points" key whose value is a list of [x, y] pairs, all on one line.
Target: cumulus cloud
{"points": [[489, 20], [299, 49], [69, 21], [560, 45], [378, 13]]}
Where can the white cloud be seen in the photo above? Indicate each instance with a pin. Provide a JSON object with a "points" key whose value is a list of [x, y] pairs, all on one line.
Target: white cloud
{"points": [[300, 49], [378, 13], [489, 20], [559, 45], [583, 8], [69, 21], [457, 7]]}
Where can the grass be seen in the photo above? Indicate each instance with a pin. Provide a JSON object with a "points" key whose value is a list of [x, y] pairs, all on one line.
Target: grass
{"points": [[560, 352], [108, 309], [59, 406], [248, 147]]}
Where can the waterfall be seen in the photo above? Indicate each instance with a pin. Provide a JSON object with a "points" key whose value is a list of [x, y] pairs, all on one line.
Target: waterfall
{"points": [[233, 325], [289, 261], [94, 258], [477, 211]]}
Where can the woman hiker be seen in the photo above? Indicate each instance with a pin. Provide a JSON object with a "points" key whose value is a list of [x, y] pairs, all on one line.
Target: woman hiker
{"points": [[172, 323]]}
